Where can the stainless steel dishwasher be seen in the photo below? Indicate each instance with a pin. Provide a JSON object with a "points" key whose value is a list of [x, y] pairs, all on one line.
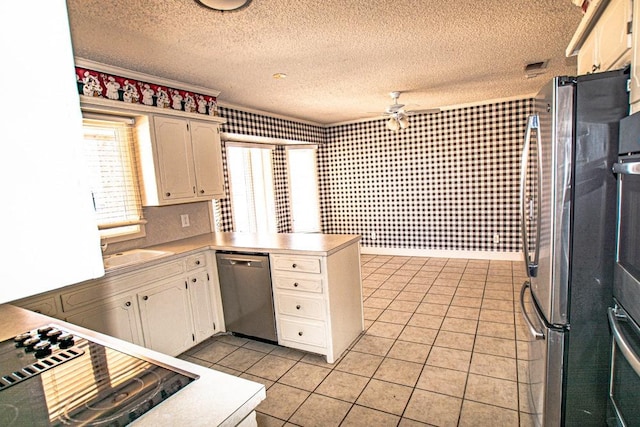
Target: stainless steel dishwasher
{"points": [[247, 298]]}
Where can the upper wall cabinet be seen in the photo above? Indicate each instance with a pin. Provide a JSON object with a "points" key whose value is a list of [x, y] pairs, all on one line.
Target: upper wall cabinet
{"points": [[607, 45], [180, 160]]}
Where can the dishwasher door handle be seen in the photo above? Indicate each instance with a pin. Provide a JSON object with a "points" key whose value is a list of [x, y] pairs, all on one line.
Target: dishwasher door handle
{"points": [[242, 261]]}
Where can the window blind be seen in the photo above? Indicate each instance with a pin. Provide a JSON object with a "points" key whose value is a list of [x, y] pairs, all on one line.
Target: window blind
{"points": [[110, 153]]}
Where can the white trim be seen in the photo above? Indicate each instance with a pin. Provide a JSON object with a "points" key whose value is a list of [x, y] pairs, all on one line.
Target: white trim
{"points": [[147, 78], [102, 105], [252, 139], [302, 147], [249, 145], [499, 256]]}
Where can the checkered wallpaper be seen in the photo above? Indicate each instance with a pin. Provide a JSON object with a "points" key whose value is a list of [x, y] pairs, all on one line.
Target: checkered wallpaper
{"points": [[448, 182]]}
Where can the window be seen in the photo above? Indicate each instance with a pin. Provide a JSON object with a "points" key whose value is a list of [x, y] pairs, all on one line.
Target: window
{"points": [[110, 153], [251, 187], [303, 188]]}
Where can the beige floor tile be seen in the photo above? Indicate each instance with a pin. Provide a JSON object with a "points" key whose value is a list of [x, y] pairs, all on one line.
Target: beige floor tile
{"points": [[359, 416], [471, 283], [265, 420], [499, 295], [226, 370], [442, 290], [461, 301], [385, 396], [241, 359], [399, 372], [317, 359], [499, 316], [385, 293], [409, 295], [463, 312], [418, 335], [494, 366], [271, 367], [233, 340], [266, 383], [437, 299], [449, 358], [343, 385], [321, 411], [455, 340], [417, 286], [444, 381], [359, 363], [214, 351], [454, 324], [371, 313], [476, 414], [432, 309], [493, 391], [409, 351], [441, 281], [433, 408], [304, 376], [393, 316], [406, 422], [260, 346], [494, 329], [385, 330], [408, 306], [377, 302], [282, 401], [373, 345], [469, 292], [192, 359], [495, 346], [426, 321], [494, 304]]}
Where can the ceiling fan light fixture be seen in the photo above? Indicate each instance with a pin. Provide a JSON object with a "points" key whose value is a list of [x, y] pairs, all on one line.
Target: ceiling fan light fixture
{"points": [[224, 5], [403, 121], [393, 124]]}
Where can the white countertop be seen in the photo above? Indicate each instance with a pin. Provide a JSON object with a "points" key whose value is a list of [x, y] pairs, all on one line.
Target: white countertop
{"points": [[214, 399]]}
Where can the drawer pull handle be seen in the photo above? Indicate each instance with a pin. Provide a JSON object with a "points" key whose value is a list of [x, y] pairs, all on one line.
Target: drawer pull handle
{"points": [[294, 266], [300, 333], [295, 285], [298, 307], [168, 194], [127, 304], [194, 280], [197, 262], [145, 297]]}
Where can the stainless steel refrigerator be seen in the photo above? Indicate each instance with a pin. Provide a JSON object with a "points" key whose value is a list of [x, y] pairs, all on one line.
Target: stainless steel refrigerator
{"points": [[568, 224]]}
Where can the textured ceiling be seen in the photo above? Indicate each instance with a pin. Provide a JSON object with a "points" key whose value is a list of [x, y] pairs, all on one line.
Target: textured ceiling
{"points": [[342, 58]]}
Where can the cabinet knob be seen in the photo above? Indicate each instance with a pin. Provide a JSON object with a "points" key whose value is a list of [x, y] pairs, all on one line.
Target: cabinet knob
{"points": [[298, 307], [595, 68], [201, 191], [194, 280], [300, 333], [127, 304], [295, 285], [146, 297], [198, 262], [167, 194], [294, 266]]}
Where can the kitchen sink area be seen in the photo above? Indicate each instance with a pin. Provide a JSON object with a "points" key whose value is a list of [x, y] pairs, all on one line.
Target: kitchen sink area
{"points": [[132, 257]]}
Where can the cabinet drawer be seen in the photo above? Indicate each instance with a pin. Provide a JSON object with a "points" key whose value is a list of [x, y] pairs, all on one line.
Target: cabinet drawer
{"points": [[298, 283], [293, 263], [308, 332], [46, 305], [301, 306], [195, 261]]}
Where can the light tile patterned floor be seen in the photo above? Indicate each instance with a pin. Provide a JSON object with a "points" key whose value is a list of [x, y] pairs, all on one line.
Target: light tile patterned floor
{"points": [[443, 346]]}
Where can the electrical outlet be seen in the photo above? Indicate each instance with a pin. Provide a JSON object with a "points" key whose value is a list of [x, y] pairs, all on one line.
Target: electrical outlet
{"points": [[184, 218], [374, 236], [496, 238]]}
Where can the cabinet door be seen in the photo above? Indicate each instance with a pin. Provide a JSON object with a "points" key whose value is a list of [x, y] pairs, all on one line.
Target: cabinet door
{"points": [[201, 306], [116, 317], [207, 159], [587, 57], [166, 317], [175, 158], [612, 34]]}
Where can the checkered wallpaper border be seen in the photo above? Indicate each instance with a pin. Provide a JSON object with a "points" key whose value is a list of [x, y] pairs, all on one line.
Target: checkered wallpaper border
{"points": [[448, 182]]}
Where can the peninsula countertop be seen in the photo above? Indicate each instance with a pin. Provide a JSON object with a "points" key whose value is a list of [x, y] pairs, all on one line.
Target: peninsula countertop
{"points": [[214, 399], [284, 243]]}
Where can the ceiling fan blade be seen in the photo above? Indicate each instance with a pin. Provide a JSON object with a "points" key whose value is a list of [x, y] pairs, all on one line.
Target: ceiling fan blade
{"points": [[426, 111]]}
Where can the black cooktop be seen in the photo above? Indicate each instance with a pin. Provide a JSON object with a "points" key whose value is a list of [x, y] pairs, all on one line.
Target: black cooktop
{"points": [[51, 376]]}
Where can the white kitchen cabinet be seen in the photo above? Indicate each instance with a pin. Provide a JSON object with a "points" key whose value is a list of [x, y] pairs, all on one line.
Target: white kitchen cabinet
{"points": [[202, 309], [181, 160], [608, 45], [318, 301], [117, 317], [166, 317]]}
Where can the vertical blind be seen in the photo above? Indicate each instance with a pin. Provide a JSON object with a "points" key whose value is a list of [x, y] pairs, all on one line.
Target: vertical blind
{"points": [[113, 175], [251, 187]]}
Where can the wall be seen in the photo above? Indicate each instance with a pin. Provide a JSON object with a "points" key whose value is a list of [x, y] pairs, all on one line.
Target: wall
{"points": [[447, 183]]}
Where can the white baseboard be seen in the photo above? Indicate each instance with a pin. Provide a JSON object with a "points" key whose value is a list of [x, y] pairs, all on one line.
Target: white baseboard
{"points": [[499, 256]]}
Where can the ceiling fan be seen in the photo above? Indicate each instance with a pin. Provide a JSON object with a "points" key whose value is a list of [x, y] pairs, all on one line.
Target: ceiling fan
{"points": [[398, 116]]}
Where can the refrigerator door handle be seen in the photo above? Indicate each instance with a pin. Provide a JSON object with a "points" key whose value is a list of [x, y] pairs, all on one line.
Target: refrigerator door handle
{"points": [[531, 264], [632, 358], [536, 334], [627, 168]]}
